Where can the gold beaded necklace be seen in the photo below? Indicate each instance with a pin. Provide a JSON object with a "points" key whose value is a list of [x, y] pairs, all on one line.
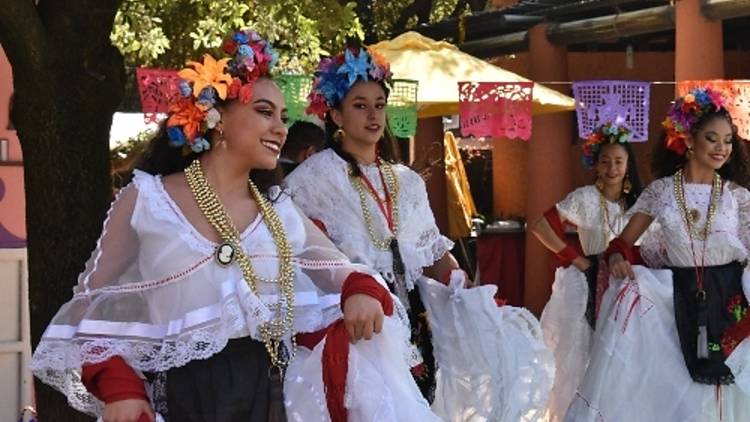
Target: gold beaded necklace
{"points": [[272, 332], [606, 222], [690, 216], [391, 185]]}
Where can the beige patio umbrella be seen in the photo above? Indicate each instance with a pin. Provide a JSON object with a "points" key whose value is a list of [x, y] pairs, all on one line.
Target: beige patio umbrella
{"points": [[439, 66]]}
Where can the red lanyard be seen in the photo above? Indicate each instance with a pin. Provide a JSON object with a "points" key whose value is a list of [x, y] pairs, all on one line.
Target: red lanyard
{"points": [[384, 205]]}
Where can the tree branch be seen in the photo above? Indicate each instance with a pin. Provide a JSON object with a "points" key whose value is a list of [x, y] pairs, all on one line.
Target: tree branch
{"points": [[22, 35], [459, 9], [417, 8]]}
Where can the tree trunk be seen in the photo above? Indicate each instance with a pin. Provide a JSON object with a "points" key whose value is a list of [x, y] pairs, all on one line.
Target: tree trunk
{"points": [[68, 81]]}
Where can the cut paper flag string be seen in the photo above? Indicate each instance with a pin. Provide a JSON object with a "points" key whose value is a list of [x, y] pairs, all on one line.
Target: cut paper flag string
{"points": [[495, 109], [157, 88], [606, 101]]}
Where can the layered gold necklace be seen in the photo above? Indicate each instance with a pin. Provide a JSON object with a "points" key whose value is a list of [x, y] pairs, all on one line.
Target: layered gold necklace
{"points": [[606, 221], [391, 193], [272, 332], [691, 216]]}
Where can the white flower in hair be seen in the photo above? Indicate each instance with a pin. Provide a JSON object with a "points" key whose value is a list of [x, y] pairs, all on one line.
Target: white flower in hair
{"points": [[212, 118]]}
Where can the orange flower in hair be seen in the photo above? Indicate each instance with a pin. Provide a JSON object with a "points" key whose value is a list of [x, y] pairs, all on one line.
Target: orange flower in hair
{"points": [[209, 73]]}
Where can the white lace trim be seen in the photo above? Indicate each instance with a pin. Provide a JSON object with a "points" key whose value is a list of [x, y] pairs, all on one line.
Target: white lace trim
{"points": [[321, 188], [582, 207], [57, 361], [669, 243]]}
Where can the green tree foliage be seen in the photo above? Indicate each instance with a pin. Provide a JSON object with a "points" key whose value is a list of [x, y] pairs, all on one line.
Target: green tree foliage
{"points": [[163, 33]]}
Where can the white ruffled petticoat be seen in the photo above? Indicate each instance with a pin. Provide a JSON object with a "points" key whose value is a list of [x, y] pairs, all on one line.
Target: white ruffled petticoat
{"points": [[567, 333], [376, 388], [492, 363], [637, 372]]}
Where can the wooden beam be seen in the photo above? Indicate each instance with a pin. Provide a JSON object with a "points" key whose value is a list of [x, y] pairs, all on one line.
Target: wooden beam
{"points": [[612, 27], [725, 9]]}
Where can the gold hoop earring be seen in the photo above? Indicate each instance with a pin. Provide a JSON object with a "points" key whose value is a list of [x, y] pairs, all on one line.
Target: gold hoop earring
{"points": [[627, 186], [338, 136]]}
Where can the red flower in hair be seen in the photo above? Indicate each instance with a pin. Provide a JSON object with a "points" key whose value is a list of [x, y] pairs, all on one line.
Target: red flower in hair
{"points": [[676, 142], [229, 46], [317, 105], [246, 93], [234, 89]]}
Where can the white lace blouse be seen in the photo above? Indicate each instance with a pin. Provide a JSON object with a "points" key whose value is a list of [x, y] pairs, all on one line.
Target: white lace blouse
{"points": [[321, 187], [670, 245], [583, 208], [153, 293]]}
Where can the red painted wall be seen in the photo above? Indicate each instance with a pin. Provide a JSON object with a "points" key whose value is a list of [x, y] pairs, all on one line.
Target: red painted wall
{"points": [[12, 199], [509, 157]]}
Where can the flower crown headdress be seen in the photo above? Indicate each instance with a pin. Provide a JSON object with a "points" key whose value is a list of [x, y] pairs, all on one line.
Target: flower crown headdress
{"points": [[686, 111], [208, 82], [608, 133], [335, 76]]}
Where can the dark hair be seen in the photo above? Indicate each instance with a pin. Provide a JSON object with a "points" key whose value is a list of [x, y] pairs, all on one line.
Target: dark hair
{"points": [[666, 162], [636, 187], [301, 136]]}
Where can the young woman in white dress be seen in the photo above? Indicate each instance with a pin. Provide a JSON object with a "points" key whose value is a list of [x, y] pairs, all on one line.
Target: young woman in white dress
{"points": [[208, 287], [598, 213], [666, 344], [492, 361]]}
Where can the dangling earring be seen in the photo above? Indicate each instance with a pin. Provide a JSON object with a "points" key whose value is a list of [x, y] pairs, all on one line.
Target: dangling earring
{"points": [[222, 140], [627, 186], [338, 136], [599, 184], [689, 153]]}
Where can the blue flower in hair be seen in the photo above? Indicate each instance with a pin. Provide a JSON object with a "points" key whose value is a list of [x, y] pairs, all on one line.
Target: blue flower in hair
{"points": [[207, 98], [207, 94], [176, 136], [200, 144], [185, 89], [246, 51], [701, 97], [272, 54], [355, 67], [240, 37]]}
